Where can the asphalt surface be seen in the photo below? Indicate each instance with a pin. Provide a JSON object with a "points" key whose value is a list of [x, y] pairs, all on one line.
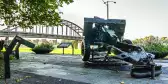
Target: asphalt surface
{"points": [[49, 69], [18, 77]]}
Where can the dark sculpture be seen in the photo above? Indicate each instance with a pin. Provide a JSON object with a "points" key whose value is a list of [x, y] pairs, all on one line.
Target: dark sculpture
{"points": [[106, 36], [9, 51]]}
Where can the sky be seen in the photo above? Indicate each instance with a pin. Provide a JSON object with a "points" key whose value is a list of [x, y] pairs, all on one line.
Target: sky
{"points": [[143, 17]]}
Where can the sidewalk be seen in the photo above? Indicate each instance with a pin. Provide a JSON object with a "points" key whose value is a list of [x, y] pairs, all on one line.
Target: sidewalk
{"points": [[18, 77]]}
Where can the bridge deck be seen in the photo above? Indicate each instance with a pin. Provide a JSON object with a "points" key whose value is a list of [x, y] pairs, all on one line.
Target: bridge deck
{"points": [[68, 30]]}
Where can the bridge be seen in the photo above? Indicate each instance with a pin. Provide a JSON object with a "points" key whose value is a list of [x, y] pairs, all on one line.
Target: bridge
{"points": [[68, 30]]}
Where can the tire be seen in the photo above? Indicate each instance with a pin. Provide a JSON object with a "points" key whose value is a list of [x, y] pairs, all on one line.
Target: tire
{"points": [[144, 72], [86, 53], [82, 48]]}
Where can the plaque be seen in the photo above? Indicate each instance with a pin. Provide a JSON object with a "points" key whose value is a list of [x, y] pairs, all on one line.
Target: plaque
{"points": [[64, 45]]}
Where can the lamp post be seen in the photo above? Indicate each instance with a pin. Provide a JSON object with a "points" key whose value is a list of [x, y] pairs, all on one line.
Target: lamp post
{"points": [[107, 5]]}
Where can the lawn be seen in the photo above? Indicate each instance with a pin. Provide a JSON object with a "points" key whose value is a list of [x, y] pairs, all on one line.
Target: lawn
{"points": [[56, 50]]}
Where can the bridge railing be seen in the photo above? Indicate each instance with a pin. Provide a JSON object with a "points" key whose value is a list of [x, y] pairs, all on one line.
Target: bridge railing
{"points": [[68, 29]]}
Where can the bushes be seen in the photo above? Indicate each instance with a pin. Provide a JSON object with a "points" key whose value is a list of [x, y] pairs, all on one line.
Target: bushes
{"points": [[155, 45], [43, 48]]}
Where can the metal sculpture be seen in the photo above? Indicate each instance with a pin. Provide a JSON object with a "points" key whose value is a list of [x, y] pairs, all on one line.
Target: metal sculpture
{"points": [[9, 49], [103, 37]]}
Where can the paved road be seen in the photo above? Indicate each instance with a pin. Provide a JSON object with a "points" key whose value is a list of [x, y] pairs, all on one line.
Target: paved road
{"points": [[71, 68]]}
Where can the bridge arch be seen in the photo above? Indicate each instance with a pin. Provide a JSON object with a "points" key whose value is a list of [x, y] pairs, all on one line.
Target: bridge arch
{"points": [[73, 26], [68, 30]]}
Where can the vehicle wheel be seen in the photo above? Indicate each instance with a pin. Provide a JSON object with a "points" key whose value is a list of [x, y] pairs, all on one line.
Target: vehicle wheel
{"points": [[142, 72], [82, 48], [86, 55]]}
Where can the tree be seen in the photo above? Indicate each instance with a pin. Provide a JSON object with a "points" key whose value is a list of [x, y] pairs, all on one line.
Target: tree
{"points": [[75, 44], [27, 13]]}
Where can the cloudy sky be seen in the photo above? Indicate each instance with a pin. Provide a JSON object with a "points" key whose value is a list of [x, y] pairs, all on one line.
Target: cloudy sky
{"points": [[144, 17]]}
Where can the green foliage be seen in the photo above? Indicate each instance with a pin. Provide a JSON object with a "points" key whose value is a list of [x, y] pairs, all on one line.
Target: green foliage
{"points": [[75, 44], [153, 44], [27, 13], [156, 47], [18, 80], [44, 46], [12, 57]]}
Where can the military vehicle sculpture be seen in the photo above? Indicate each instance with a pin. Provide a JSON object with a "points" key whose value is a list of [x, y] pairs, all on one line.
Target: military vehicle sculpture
{"points": [[103, 37]]}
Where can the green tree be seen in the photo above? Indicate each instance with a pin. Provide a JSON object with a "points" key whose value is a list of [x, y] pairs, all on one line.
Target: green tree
{"points": [[75, 44], [27, 13]]}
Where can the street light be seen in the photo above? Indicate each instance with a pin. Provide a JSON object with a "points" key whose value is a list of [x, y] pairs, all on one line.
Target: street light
{"points": [[107, 4]]}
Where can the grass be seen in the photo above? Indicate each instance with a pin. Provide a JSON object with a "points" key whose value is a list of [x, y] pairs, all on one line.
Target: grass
{"points": [[55, 51]]}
